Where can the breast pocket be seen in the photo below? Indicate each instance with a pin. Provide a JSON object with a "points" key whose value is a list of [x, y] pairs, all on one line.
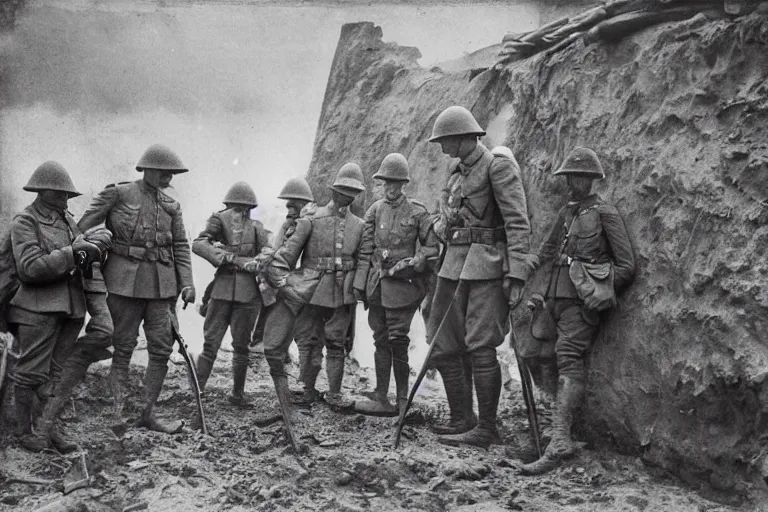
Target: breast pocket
{"points": [[476, 204], [586, 236], [123, 220]]}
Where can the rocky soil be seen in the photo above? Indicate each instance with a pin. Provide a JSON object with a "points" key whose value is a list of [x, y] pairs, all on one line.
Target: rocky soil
{"points": [[677, 114], [349, 464]]}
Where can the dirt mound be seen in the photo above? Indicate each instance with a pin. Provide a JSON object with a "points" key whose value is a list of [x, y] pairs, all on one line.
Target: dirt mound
{"points": [[677, 114]]}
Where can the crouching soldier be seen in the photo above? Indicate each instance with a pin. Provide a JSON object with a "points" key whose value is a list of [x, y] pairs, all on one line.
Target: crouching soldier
{"points": [[328, 244], [148, 267], [48, 309], [392, 278], [592, 260], [230, 240]]}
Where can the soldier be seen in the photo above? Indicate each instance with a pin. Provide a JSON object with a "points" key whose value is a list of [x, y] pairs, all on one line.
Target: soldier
{"points": [[230, 240], [589, 247], [392, 279], [48, 309], [484, 221], [328, 244], [149, 266]]}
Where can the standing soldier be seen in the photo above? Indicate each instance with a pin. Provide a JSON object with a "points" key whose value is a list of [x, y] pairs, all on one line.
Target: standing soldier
{"points": [[592, 260], [230, 240], [328, 243], [391, 278], [48, 309], [148, 267], [484, 221]]}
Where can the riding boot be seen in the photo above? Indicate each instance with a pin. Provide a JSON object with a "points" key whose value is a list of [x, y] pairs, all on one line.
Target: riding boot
{"points": [[458, 391], [203, 367], [72, 375], [569, 396], [118, 383], [310, 394], [487, 374], [32, 442], [378, 404], [239, 371], [153, 384], [334, 367]]}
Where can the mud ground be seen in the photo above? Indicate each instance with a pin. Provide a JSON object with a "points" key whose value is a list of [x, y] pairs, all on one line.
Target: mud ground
{"points": [[349, 465]]}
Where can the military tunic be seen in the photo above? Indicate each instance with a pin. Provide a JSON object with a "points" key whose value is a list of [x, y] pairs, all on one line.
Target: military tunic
{"points": [[49, 307], [235, 299], [487, 235], [148, 265], [593, 231]]}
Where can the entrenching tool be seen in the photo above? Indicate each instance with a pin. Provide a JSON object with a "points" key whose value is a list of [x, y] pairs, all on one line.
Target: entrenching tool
{"points": [[190, 362], [424, 368], [77, 477]]}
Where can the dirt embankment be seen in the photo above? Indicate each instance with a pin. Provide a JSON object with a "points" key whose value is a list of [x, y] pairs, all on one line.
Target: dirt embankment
{"points": [[677, 114]]}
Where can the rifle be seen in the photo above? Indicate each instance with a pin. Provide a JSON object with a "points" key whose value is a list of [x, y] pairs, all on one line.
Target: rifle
{"points": [[190, 367], [530, 403]]}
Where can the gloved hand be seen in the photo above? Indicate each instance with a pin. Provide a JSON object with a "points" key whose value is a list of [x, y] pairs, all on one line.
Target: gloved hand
{"points": [[100, 236], [188, 294], [252, 266], [80, 244], [513, 289]]}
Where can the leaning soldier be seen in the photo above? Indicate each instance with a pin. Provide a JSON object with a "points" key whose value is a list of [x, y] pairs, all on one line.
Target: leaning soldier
{"points": [[229, 241], [148, 267], [484, 221], [48, 308], [392, 278], [592, 260], [328, 243]]}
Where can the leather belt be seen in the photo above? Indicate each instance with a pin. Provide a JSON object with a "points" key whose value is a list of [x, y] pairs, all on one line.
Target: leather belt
{"points": [[467, 236]]}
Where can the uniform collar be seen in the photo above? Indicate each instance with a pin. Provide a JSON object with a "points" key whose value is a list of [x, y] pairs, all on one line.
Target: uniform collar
{"points": [[47, 212], [339, 211], [466, 163], [588, 201], [395, 202]]}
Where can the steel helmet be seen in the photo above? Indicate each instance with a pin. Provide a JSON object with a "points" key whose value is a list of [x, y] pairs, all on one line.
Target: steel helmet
{"points": [[240, 193], [582, 162], [161, 158], [51, 175], [394, 167], [296, 188], [455, 121], [349, 180]]}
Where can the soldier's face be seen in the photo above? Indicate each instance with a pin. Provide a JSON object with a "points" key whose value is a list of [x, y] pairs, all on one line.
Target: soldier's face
{"points": [[579, 187], [241, 209], [55, 199], [294, 207], [393, 189], [450, 146], [158, 178], [341, 199]]}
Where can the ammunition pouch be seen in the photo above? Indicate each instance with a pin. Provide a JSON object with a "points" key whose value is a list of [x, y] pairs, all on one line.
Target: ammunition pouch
{"points": [[594, 284]]}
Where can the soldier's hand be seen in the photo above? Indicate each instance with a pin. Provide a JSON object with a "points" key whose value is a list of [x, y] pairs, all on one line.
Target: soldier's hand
{"points": [[513, 289], [188, 294], [532, 261], [100, 236], [252, 266], [80, 244], [419, 262], [229, 258]]}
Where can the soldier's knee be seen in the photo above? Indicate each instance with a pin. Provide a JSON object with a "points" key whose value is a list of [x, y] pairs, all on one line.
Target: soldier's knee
{"points": [[276, 365], [484, 357]]}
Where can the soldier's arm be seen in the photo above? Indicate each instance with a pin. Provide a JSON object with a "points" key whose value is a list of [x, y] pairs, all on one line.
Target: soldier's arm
{"points": [[366, 249], [510, 198], [427, 238], [204, 246], [32, 263], [99, 208], [263, 236], [287, 255], [621, 246], [182, 256]]}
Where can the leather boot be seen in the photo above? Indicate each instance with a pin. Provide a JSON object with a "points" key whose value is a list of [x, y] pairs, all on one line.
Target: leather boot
{"points": [[378, 404], [118, 384], [32, 442], [239, 371], [305, 353], [310, 395], [458, 391], [334, 367], [570, 393], [402, 371], [153, 384], [72, 375], [203, 367], [487, 374]]}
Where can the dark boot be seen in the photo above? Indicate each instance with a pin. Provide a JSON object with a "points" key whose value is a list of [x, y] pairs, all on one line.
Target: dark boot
{"points": [[570, 393], [32, 442], [239, 371], [458, 391], [379, 404], [402, 371], [487, 374], [305, 354], [334, 367], [204, 367], [153, 384], [118, 384], [310, 395], [72, 375]]}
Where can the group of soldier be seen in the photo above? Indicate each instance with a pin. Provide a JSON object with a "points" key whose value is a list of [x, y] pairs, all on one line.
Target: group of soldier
{"points": [[128, 260]]}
